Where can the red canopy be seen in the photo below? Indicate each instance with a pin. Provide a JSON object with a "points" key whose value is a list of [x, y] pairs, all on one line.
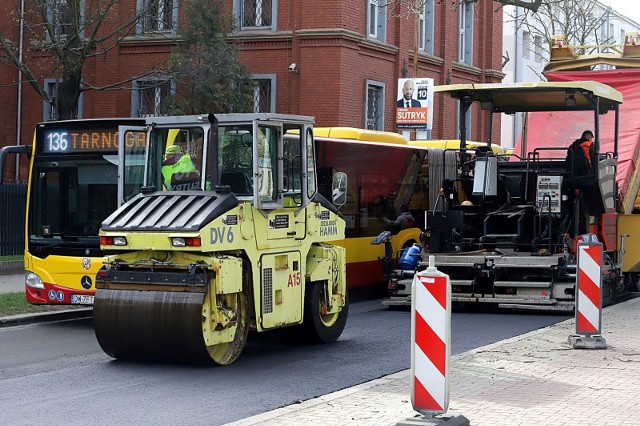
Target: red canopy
{"points": [[559, 129]]}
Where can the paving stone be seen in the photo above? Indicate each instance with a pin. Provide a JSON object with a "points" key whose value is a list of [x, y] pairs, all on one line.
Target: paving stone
{"points": [[529, 380]]}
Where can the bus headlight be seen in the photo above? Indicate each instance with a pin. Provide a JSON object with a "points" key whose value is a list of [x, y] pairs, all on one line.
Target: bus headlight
{"points": [[34, 281]]}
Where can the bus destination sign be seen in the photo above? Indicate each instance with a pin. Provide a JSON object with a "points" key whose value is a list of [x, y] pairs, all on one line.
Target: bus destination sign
{"points": [[61, 141]]}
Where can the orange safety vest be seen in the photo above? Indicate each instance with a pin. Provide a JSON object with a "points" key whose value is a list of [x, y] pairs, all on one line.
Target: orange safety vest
{"points": [[586, 147]]}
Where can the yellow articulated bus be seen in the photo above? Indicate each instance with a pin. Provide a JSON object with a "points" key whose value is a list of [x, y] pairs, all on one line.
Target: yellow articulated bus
{"points": [[455, 144], [73, 186], [76, 181]]}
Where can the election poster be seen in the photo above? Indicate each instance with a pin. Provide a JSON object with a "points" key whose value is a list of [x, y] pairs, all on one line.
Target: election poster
{"points": [[415, 103]]}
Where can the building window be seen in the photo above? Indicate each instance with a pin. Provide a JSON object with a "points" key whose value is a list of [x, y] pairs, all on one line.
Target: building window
{"points": [[623, 35], [465, 32], [157, 16], [62, 17], [426, 24], [374, 106], [611, 35], [377, 20], [49, 110], [526, 44], [255, 14], [537, 41], [149, 96], [264, 93]]}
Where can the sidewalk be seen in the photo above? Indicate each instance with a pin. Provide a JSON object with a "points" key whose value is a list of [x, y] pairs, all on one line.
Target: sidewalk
{"points": [[530, 380], [12, 283]]}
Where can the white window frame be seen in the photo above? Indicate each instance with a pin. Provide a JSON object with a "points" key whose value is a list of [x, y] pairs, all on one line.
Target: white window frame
{"points": [[271, 78], [376, 20], [426, 22], [136, 95], [379, 119], [51, 17], [611, 38], [465, 32], [48, 110], [142, 30], [526, 44], [537, 41], [238, 13]]}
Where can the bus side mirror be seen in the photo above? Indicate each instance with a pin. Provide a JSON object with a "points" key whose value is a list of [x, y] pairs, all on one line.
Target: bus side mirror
{"points": [[339, 189]]}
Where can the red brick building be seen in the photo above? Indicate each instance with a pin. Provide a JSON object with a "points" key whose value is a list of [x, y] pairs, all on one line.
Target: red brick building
{"points": [[348, 56]]}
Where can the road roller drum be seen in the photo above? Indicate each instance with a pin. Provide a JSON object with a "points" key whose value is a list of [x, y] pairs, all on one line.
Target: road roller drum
{"points": [[131, 324]]}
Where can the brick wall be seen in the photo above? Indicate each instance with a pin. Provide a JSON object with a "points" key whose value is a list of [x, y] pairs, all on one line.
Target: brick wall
{"points": [[334, 60]]}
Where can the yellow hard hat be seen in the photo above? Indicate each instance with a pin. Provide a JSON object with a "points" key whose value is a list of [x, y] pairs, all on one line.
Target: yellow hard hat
{"points": [[173, 149]]}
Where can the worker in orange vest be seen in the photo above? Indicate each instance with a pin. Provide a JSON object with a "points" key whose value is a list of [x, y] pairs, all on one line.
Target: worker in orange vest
{"points": [[582, 158]]}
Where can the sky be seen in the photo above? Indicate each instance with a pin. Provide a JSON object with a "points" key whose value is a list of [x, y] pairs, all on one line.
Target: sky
{"points": [[629, 8]]}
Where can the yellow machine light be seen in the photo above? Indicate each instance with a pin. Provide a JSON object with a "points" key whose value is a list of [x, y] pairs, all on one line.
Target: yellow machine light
{"points": [[113, 241], [34, 281], [186, 242], [178, 242]]}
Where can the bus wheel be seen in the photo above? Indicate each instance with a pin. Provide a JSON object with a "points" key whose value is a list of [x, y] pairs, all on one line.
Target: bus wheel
{"points": [[322, 328], [238, 303]]}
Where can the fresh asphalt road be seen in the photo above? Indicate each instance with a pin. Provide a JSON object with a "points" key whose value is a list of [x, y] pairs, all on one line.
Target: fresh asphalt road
{"points": [[56, 373]]}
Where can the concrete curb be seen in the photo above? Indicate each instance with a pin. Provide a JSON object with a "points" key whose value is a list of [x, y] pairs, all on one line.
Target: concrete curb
{"points": [[9, 267], [25, 319]]}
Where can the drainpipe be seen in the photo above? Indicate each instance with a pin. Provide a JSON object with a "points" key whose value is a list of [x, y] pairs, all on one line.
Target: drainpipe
{"points": [[19, 101], [516, 70]]}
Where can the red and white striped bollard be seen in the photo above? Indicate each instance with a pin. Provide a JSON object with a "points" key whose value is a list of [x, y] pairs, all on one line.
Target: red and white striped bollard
{"points": [[589, 297], [430, 340]]}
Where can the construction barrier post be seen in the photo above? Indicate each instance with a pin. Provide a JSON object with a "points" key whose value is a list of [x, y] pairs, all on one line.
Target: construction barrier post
{"points": [[589, 297], [431, 345], [430, 340]]}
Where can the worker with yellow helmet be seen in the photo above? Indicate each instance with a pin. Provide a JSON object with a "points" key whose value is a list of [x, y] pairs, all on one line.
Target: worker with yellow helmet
{"points": [[178, 171]]}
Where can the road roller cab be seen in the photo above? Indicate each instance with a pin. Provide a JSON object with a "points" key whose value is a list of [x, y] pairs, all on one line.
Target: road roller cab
{"points": [[228, 234]]}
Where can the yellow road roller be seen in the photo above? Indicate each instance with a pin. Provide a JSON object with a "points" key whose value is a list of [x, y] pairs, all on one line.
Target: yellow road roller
{"points": [[228, 233]]}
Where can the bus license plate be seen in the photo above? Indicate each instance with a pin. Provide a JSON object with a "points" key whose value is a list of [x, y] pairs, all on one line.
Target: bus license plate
{"points": [[81, 299]]}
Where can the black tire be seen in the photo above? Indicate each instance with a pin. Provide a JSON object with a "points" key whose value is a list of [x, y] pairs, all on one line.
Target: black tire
{"points": [[322, 328], [635, 282]]}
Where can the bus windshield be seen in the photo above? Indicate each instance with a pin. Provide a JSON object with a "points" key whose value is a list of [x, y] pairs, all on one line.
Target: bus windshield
{"points": [[71, 196]]}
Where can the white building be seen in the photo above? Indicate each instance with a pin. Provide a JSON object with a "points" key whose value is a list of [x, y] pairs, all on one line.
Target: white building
{"points": [[527, 36]]}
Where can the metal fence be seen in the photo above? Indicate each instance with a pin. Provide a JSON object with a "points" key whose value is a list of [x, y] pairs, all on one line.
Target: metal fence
{"points": [[13, 198]]}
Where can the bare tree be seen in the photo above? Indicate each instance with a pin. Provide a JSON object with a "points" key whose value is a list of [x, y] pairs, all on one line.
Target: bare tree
{"points": [[415, 6], [206, 66], [60, 36], [579, 20]]}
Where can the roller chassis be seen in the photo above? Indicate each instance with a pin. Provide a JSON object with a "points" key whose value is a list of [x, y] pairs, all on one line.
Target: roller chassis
{"points": [[507, 281], [516, 281], [212, 282]]}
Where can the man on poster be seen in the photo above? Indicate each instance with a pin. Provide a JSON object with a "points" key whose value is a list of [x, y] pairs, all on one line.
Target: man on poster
{"points": [[414, 113], [407, 100]]}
